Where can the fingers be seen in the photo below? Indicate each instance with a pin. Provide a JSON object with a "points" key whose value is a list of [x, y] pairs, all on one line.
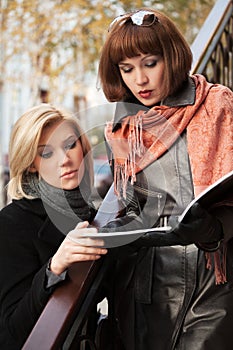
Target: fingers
{"points": [[86, 242], [74, 245], [70, 252], [79, 231], [88, 250], [86, 254], [76, 248], [77, 235]]}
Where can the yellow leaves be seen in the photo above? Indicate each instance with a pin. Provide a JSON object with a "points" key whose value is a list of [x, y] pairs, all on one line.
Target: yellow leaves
{"points": [[54, 34]]}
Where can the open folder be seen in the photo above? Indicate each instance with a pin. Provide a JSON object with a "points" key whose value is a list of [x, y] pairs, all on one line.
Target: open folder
{"points": [[213, 194]]}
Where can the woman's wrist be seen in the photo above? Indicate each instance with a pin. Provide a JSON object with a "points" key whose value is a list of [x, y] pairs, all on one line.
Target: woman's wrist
{"points": [[54, 267], [53, 279], [210, 247]]}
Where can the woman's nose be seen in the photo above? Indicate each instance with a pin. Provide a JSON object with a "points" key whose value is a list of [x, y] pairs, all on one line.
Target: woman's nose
{"points": [[63, 158], [141, 77]]}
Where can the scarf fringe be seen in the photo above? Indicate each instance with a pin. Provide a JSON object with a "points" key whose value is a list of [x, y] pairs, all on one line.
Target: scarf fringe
{"points": [[219, 260], [136, 149]]}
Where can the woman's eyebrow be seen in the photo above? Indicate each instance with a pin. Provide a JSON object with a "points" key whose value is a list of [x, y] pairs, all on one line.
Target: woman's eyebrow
{"points": [[123, 64], [42, 146], [71, 137]]}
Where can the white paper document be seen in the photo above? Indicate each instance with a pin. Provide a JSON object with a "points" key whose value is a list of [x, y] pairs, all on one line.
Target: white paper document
{"points": [[211, 195]]}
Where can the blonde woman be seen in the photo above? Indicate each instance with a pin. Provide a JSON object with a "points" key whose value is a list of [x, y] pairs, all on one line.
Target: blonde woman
{"points": [[51, 178]]}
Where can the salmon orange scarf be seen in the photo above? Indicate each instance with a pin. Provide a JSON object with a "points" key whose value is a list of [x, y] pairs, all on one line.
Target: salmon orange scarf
{"points": [[209, 123]]}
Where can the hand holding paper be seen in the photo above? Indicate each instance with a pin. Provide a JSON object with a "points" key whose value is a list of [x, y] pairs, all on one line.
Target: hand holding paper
{"points": [[199, 227]]}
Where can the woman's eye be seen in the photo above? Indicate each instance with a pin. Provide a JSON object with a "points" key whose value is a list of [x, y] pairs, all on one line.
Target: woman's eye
{"points": [[151, 64], [46, 154], [126, 69], [70, 145]]}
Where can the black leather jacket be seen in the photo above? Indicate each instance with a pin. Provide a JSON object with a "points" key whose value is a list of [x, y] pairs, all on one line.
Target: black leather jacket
{"points": [[165, 297]]}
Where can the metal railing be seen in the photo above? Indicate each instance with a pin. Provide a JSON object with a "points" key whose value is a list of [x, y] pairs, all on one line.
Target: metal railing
{"points": [[213, 47]]}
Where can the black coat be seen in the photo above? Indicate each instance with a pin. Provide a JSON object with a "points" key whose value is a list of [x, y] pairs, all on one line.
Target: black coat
{"points": [[27, 241]]}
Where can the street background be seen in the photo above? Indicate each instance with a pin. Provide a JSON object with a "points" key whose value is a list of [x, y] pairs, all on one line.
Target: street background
{"points": [[49, 53]]}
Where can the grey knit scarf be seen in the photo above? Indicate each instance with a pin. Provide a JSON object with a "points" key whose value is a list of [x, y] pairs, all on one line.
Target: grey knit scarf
{"points": [[71, 203]]}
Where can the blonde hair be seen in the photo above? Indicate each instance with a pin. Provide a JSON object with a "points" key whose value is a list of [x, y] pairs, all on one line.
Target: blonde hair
{"points": [[126, 39], [24, 142]]}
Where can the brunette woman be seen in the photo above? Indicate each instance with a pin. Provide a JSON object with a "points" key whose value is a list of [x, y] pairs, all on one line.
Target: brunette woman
{"points": [[171, 137]]}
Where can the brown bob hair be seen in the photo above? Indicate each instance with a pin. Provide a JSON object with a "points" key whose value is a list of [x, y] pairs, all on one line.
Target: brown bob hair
{"points": [[126, 39]]}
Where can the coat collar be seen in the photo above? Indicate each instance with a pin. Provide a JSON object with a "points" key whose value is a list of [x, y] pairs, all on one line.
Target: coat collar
{"points": [[185, 96]]}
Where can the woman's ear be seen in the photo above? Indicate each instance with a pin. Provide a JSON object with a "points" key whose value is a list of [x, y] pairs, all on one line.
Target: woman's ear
{"points": [[32, 169]]}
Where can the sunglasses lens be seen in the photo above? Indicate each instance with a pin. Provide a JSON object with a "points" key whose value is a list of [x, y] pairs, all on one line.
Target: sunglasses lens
{"points": [[140, 18], [143, 18]]}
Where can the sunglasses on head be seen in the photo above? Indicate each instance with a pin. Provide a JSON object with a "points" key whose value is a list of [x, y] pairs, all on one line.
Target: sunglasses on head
{"points": [[140, 18]]}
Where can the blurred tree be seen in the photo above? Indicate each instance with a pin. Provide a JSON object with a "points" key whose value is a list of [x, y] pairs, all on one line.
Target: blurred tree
{"points": [[50, 47], [189, 15], [61, 39]]}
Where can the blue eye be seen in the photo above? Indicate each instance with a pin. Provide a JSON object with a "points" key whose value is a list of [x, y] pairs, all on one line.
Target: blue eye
{"points": [[70, 145], [46, 155]]}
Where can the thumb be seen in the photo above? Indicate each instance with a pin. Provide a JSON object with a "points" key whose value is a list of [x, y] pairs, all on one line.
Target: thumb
{"points": [[198, 211], [83, 224]]}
